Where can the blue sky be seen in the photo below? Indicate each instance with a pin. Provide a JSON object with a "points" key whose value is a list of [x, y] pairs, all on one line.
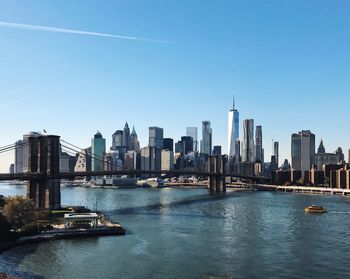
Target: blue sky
{"points": [[288, 62]]}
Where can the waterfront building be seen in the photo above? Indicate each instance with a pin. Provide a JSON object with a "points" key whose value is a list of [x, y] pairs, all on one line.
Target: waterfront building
{"points": [[342, 177], [244, 168], [83, 162], [340, 154], [258, 169], [117, 139], [184, 146], [134, 142], [217, 150], [67, 162], [323, 158], [151, 158], [259, 151], [130, 161], [22, 153], [193, 132], [207, 134], [303, 150], [12, 169], [285, 165], [233, 131], [168, 144], [328, 169], [281, 177], [248, 141], [167, 160], [126, 136], [98, 149], [156, 137], [276, 151], [296, 175], [112, 161], [179, 147], [273, 164], [316, 177]]}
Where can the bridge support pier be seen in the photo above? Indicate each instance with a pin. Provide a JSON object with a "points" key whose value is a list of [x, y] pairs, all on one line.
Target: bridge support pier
{"points": [[217, 181], [43, 158]]}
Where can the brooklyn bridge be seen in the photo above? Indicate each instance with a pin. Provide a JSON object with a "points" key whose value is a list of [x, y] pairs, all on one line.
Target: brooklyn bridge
{"points": [[44, 176]]}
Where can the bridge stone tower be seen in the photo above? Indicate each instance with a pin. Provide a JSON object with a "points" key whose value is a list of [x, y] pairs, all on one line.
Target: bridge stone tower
{"points": [[217, 182], [43, 159]]}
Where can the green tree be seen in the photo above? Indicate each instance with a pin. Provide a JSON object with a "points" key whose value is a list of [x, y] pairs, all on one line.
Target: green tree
{"points": [[20, 212]]}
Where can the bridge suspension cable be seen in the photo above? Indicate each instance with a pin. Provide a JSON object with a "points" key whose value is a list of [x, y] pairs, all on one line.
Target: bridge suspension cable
{"points": [[13, 146], [73, 148]]}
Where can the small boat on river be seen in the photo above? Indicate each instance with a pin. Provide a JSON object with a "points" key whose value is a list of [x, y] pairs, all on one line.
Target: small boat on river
{"points": [[315, 209]]}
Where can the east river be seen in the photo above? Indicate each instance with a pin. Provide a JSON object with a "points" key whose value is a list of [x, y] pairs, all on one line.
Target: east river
{"points": [[187, 233]]}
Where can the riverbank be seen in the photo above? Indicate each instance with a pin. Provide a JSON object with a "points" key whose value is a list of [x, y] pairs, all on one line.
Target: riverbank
{"points": [[61, 234], [107, 228]]}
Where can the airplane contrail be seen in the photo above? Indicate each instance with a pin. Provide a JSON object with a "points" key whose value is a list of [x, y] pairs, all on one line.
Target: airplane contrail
{"points": [[72, 31]]}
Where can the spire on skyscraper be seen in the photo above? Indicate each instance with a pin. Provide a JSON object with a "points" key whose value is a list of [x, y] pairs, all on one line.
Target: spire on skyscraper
{"points": [[133, 133]]}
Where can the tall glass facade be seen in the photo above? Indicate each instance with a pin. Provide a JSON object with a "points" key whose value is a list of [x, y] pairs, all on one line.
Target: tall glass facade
{"points": [[248, 141], [233, 131], [193, 132], [98, 149], [259, 154], [206, 143]]}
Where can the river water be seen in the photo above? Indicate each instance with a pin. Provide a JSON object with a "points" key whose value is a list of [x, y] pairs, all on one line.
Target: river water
{"points": [[187, 233]]}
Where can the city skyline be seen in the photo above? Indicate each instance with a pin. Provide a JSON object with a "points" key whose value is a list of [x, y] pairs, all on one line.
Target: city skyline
{"points": [[54, 81]]}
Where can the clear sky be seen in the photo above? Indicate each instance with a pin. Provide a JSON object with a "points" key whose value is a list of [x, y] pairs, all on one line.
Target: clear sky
{"points": [[287, 61]]}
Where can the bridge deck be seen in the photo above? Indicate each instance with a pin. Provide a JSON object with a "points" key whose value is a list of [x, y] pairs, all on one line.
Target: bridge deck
{"points": [[72, 175]]}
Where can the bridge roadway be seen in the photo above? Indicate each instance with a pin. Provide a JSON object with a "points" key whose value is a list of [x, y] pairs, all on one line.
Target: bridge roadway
{"points": [[172, 173]]}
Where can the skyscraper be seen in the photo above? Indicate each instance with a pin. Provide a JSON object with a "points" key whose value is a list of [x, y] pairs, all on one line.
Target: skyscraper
{"points": [[276, 151], [206, 142], [22, 153], [217, 150], [193, 132], [98, 148], [340, 154], [248, 141], [156, 137], [259, 155], [126, 136], [323, 158], [151, 158], [168, 144], [117, 139], [184, 146], [134, 142], [233, 130], [303, 150], [167, 160]]}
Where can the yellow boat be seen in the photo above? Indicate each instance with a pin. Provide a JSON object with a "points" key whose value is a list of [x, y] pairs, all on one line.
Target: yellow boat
{"points": [[315, 209]]}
